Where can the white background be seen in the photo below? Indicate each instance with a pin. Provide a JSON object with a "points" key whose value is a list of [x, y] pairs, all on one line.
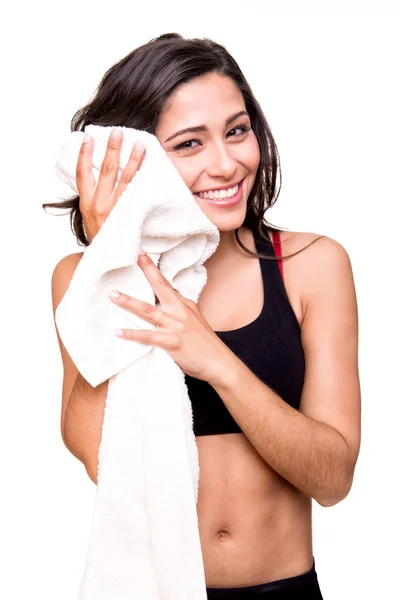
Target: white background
{"points": [[326, 75]]}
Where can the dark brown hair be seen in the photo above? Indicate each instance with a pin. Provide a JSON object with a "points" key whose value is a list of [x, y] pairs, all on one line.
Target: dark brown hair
{"points": [[135, 90]]}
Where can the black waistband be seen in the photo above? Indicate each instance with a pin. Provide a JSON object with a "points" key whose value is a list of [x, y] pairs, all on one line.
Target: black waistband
{"points": [[299, 587]]}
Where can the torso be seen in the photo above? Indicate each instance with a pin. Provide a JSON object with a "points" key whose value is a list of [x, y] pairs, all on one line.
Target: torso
{"points": [[254, 526]]}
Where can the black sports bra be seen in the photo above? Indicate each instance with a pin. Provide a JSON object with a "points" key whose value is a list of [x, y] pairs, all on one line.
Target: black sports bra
{"points": [[270, 346]]}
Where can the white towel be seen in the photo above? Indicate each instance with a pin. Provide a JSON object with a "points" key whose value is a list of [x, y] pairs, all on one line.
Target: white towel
{"points": [[145, 542]]}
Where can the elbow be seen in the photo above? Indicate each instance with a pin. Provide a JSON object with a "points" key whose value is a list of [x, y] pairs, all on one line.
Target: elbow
{"points": [[339, 485], [69, 441], [335, 494], [331, 500], [64, 436], [91, 470], [84, 448]]}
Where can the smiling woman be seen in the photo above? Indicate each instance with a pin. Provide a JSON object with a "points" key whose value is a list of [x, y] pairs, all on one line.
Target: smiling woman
{"points": [[270, 362], [225, 154]]}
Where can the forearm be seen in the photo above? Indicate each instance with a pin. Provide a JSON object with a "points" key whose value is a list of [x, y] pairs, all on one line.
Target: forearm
{"points": [[312, 456], [83, 422]]}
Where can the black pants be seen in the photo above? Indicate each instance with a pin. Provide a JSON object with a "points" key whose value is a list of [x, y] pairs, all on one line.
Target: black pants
{"points": [[301, 587]]}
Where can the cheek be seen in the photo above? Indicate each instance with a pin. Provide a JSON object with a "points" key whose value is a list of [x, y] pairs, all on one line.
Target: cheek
{"points": [[187, 169], [253, 154]]}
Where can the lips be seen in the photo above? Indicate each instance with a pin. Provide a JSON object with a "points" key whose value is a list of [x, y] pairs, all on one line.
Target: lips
{"points": [[219, 189], [225, 202]]}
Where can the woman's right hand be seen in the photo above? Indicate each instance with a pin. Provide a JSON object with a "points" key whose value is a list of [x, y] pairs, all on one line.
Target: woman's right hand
{"points": [[96, 202]]}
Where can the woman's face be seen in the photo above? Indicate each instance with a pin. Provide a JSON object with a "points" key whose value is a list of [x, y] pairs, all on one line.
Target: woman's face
{"points": [[222, 151]]}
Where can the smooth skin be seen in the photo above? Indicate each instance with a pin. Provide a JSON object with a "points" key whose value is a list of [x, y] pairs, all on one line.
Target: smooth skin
{"points": [[256, 487]]}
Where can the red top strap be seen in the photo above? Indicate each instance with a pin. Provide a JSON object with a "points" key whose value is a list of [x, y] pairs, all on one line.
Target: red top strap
{"points": [[276, 240]]}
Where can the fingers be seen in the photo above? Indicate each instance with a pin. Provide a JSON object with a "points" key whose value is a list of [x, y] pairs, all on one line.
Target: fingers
{"points": [[186, 301], [108, 172], [151, 338], [85, 180], [160, 284], [146, 311], [96, 202], [130, 170]]}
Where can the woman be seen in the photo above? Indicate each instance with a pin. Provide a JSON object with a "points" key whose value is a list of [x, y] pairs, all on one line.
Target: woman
{"points": [[269, 351]]}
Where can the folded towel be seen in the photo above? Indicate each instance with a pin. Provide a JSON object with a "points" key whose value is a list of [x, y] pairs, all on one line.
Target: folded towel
{"points": [[145, 542]]}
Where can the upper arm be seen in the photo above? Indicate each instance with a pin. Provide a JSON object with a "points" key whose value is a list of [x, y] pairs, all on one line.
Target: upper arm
{"points": [[331, 391], [60, 281]]}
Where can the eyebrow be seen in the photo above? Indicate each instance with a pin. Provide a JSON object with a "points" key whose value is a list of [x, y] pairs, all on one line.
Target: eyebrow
{"points": [[198, 128]]}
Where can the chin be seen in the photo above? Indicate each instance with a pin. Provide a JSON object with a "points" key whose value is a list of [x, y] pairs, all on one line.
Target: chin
{"points": [[229, 226], [226, 220]]}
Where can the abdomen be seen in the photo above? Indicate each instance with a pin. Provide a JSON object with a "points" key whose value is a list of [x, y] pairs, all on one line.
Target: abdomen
{"points": [[254, 526]]}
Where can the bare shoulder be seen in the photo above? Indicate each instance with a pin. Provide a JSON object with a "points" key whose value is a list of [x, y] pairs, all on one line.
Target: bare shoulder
{"points": [[316, 266], [313, 252], [296, 241]]}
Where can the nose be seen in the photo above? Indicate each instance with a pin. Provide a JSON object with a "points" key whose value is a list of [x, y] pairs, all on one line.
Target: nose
{"points": [[221, 163]]}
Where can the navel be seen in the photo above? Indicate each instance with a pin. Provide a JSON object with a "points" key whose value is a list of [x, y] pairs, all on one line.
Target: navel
{"points": [[223, 535]]}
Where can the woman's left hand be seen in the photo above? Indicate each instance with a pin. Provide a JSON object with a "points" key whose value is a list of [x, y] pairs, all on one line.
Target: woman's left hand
{"points": [[182, 331]]}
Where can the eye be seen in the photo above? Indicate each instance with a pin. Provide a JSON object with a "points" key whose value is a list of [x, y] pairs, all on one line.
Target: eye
{"points": [[184, 145], [243, 129]]}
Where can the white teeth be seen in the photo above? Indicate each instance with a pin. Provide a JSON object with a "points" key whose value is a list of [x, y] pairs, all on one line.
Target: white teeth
{"points": [[220, 194]]}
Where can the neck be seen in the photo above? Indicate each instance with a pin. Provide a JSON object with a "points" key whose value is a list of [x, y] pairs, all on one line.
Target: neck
{"points": [[227, 242], [227, 247]]}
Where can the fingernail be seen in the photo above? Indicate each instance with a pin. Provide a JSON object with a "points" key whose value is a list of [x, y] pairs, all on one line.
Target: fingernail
{"points": [[114, 294], [119, 332], [116, 134], [86, 138], [141, 252], [139, 146]]}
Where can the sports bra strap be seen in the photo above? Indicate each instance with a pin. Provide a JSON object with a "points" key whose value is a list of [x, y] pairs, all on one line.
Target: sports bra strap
{"points": [[276, 241]]}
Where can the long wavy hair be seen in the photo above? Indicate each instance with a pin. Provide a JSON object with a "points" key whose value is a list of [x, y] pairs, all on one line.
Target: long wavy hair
{"points": [[135, 90]]}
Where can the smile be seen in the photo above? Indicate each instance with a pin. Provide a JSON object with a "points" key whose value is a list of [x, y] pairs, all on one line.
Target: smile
{"points": [[223, 197], [222, 193]]}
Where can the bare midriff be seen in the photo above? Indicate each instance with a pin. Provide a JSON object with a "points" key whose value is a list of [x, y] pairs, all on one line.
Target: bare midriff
{"points": [[255, 527]]}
